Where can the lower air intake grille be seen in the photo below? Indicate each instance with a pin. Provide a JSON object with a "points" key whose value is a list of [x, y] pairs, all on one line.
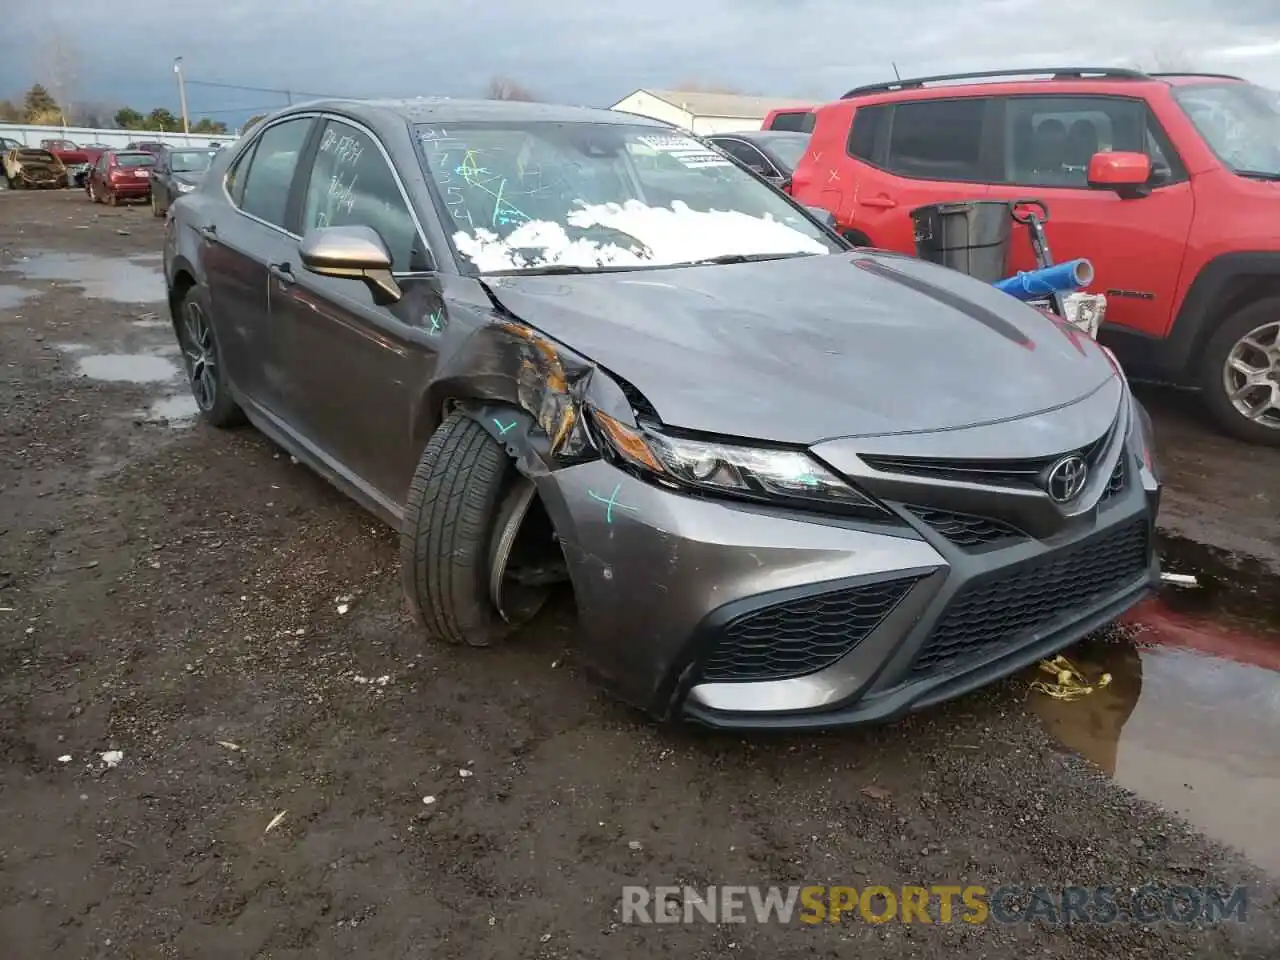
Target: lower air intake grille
{"points": [[966, 530], [1011, 606], [800, 636]]}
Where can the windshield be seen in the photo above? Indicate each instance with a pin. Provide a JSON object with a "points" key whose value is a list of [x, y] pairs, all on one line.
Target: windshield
{"points": [[593, 195], [135, 160], [788, 149], [1239, 121], [189, 161]]}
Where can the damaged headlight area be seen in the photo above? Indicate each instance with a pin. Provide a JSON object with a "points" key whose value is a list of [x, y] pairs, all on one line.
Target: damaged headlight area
{"points": [[761, 474]]}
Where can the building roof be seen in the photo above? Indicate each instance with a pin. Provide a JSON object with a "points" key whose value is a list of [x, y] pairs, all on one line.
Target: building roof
{"points": [[699, 104]]}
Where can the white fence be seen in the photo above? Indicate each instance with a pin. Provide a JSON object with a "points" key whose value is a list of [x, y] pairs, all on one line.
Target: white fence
{"points": [[30, 135]]}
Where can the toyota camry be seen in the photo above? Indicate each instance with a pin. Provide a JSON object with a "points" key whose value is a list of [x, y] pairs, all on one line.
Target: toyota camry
{"points": [[789, 483]]}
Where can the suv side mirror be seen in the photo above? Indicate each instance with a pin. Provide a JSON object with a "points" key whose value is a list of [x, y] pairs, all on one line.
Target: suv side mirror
{"points": [[1128, 174], [351, 252]]}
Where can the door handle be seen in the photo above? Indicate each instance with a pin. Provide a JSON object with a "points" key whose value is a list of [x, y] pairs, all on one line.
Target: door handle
{"points": [[884, 203], [209, 233], [282, 272]]}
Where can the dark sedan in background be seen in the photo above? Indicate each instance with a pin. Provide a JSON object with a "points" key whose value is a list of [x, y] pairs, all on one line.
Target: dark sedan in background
{"points": [[773, 154], [789, 483], [178, 171]]}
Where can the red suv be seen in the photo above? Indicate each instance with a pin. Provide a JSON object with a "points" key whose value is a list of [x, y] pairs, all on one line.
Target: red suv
{"points": [[1169, 184]]}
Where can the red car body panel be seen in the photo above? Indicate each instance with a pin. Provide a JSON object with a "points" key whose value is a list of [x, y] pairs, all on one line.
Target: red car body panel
{"points": [[1148, 252], [66, 151]]}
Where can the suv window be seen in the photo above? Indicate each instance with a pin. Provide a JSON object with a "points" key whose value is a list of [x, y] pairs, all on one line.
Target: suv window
{"points": [[351, 184], [938, 139], [270, 173], [1049, 140], [799, 121]]}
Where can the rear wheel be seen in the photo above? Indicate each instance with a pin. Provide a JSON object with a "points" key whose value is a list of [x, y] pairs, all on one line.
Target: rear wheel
{"points": [[1240, 373], [113, 198], [463, 525], [202, 358]]}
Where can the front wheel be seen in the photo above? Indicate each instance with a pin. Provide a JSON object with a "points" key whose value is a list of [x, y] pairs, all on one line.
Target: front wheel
{"points": [[466, 504], [202, 358], [1240, 373], [155, 206]]}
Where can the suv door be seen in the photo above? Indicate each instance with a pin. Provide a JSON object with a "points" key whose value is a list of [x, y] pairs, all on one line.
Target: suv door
{"points": [[236, 250], [913, 153], [1136, 245], [360, 364]]}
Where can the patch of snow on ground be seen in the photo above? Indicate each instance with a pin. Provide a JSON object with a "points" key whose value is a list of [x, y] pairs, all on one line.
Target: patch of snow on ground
{"points": [[675, 234]]}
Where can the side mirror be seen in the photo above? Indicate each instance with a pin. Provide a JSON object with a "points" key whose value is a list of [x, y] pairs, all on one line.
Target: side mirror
{"points": [[351, 252], [823, 216], [1128, 174], [785, 185]]}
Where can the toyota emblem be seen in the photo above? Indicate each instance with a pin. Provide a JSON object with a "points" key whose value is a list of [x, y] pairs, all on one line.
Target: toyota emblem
{"points": [[1067, 478]]}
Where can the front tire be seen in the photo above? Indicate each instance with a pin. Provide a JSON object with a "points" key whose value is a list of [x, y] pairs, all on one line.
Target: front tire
{"points": [[202, 359], [1240, 373], [155, 205], [445, 539]]}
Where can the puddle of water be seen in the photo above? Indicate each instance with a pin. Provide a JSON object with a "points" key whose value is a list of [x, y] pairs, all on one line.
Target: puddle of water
{"points": [[176, 411], [121, 279], [11, 296], [72, 347], [128, 367], [1191, 719], [150, 324]]}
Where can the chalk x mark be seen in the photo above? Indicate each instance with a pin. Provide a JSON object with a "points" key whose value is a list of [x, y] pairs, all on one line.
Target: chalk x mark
{"points": [[610, 503], [437, 318], [503, 429]]}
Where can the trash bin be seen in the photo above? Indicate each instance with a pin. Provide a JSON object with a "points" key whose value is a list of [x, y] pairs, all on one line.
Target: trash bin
{"points": [[970, 236]]}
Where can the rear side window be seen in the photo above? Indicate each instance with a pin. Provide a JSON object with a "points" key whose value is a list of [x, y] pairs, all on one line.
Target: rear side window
{"points": [[798, 121], [938, 139], [870, 125], [267, 180]]}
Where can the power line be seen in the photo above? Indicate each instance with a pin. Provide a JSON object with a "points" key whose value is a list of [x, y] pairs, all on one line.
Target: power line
{"points": [[282, 92]]}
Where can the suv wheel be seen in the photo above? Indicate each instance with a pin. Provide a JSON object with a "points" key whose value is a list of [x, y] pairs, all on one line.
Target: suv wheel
{"points": [[1240, 375], [467, 503]]}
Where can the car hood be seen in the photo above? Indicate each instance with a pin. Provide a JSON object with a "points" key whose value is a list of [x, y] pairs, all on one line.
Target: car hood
{"points": [[811, 348]]}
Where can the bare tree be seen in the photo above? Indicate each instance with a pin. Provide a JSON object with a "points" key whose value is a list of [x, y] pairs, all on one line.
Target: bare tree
{"points": [[1171, 59], [504, 88], [59, 60]]}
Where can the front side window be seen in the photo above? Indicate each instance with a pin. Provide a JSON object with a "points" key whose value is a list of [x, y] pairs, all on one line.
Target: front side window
{"points": [[270, 173], [1240, 122], [602, 195], [789, 149], [351, 184], [1049, 140], [746, 154], [938, 139]]}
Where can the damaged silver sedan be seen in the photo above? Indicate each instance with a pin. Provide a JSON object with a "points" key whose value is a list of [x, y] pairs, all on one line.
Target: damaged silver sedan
{"points": [[789, 483]]}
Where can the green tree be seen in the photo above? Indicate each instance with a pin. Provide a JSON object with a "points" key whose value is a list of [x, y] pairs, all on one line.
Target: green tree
{"points": [[255, 119], [205, 125], [39, 106], [162, 119], [10, 112], [128, 118]]}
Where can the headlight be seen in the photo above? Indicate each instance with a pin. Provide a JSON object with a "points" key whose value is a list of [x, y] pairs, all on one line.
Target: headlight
{"points": [[750, 473], [186, 187]]}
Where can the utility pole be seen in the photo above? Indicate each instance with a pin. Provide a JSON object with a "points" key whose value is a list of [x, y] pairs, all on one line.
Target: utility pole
{"points": [[896, 74], [182, 95]]}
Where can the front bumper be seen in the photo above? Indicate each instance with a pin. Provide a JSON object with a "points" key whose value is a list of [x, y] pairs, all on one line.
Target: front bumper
{"points": [[739, 616]]}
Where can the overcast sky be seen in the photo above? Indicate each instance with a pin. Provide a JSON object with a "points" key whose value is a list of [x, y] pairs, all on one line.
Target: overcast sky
{"points": [[596, 53]]}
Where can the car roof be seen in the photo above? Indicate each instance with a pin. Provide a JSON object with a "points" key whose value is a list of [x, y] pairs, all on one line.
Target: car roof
{"points": [[1094, 80], [763, 136], [449, 110]]}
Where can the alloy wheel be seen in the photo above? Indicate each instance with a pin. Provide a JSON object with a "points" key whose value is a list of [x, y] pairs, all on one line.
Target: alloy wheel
{"points": [[1251, 375], [200, 356]]}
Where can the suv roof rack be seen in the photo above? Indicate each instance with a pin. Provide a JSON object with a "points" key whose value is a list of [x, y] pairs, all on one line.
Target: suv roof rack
{"points": [[1197, 73], [1055, 73]]}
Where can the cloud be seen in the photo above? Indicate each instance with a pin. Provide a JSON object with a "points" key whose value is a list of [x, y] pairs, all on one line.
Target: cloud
{"points": [[596, 53]]}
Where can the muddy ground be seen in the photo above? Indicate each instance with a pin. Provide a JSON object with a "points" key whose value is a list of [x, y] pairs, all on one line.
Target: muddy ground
{"points": [[172, 592]]}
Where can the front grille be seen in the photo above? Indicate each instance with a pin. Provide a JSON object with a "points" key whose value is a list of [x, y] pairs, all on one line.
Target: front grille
{"points": [[966, 530], [1119, 477], [1009, 607], [800, 636], [1004, 473]]}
